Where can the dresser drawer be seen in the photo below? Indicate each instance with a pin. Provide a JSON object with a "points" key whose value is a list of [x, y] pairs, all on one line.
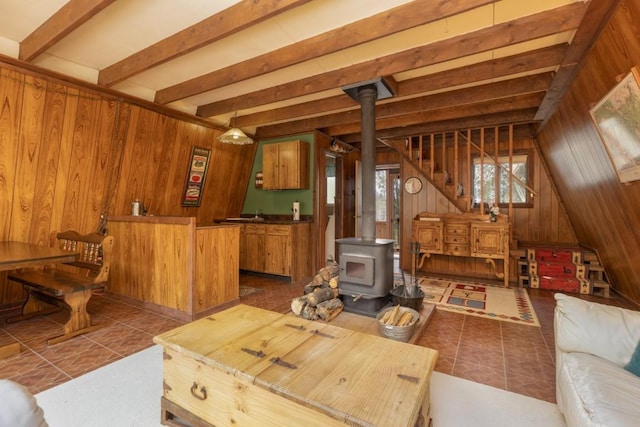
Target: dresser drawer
{"points": [[456, 229], [282, 230], [456, 249], [458, 239], [255, 228]]}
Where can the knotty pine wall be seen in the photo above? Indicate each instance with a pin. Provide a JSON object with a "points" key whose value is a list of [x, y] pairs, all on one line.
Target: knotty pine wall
{"points": [[69, 154], [544, 221], [605, 213]]}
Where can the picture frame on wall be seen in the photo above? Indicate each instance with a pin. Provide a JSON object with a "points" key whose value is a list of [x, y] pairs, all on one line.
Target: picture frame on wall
{"points": [[196, 175], [617, 118]]}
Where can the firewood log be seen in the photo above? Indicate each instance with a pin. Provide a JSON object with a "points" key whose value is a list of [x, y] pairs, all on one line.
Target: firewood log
{"points": [[309, 313], [333, 283], [298, 304], [319, 295], [328, 272], [329, 309]]}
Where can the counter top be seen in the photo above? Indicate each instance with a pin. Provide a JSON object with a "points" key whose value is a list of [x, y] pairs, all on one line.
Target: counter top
{"points": [[266, 220]]}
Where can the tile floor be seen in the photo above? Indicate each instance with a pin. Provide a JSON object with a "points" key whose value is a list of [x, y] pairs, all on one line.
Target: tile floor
{"points": [[513, 357]]}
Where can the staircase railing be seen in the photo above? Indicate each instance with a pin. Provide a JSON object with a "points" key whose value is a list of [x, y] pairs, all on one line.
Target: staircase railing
{"points": [[446, 177]]}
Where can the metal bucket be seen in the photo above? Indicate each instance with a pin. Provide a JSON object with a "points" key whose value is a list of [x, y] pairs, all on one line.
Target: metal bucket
{"points": [[412, 298]]}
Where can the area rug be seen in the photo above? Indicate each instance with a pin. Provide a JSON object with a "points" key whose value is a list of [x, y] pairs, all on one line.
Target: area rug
{"points": [[479, 299], [127, 393]]}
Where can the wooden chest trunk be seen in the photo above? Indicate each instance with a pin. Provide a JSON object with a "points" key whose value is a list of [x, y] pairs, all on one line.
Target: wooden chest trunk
{"points": [[251, 367]]}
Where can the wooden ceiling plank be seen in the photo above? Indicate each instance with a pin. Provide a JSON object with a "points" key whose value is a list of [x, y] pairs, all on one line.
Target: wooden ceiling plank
{"points": [[483, 93], [401, 18], [519, 63], [595, 18], [524, 116], [68, 18], [518, 102], [531, 27], [216, 27]]}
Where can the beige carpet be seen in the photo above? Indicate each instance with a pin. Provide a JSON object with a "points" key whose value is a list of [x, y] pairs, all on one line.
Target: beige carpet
{"points": [[127, 393], [479, 299]]}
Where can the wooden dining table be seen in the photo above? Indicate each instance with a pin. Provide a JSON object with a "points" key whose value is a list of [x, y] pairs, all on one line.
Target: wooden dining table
{"points": [[14, 255]]}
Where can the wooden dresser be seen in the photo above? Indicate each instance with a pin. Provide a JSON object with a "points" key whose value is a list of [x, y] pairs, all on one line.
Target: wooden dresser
{"points": [[247, 366], [464, 235]]}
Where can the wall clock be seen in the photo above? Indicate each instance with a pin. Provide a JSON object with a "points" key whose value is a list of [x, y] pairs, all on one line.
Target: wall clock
{"points": [[413, 185]]}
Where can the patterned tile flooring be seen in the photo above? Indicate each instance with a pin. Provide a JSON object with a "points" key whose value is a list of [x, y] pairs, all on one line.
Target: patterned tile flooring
{"points": [[513, 357]]}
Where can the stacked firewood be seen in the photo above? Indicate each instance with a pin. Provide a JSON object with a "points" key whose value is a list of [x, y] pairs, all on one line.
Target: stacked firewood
{"points": [[321, 296]]}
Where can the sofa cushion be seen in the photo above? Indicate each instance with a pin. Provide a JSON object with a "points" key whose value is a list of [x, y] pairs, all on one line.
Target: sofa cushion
{"points": [[587, 327], [601, 393]]}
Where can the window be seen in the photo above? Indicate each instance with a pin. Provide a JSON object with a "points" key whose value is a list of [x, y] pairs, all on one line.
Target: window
{"points": [[381, 195], [484, 176]]}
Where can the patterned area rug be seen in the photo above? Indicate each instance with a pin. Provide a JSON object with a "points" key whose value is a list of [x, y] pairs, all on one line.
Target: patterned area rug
{"points": [[479, 299]]}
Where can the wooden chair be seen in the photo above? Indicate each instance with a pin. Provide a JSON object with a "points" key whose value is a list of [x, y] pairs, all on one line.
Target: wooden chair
{"points": [[68, 285]]}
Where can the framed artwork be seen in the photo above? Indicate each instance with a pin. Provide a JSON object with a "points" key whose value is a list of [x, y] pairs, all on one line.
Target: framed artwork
{"points": [[617, 117], [196, 175]]}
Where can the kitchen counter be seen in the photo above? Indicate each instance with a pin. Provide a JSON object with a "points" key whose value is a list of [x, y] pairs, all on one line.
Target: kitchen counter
{"points": [[262, 220]]}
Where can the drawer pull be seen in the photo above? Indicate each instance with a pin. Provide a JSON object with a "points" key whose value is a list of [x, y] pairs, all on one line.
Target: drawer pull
{"points": [[259, 353], [198, 394], [281, 362]]}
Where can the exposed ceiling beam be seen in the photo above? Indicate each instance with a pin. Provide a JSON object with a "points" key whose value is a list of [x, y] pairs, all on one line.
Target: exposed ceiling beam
{"points": [[596, 16], [488, 70], [401, 18], [63, 22], [400, 124], [500, 118], [216, 27], [564, 18], [425, 104]]}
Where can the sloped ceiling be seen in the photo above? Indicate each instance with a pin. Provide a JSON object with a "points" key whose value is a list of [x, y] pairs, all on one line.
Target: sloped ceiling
{"points": [[280, 65]]}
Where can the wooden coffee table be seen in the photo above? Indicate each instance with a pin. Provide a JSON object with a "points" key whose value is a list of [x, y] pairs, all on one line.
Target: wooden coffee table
{"points": [[249, 366]]}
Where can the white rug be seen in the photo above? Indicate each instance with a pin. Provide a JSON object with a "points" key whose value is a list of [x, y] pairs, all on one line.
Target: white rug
{"points": [[127, 393]]}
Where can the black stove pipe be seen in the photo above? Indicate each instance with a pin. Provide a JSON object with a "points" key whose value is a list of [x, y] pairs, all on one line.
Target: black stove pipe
{"points": [[367, 96]]}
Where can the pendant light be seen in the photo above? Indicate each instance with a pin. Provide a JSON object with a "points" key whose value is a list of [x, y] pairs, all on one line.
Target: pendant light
{"points": [[234, 135]]}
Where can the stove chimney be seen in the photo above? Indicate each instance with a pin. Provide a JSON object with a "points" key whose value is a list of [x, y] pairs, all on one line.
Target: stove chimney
{"points": [[366, 94], [367, 97]]}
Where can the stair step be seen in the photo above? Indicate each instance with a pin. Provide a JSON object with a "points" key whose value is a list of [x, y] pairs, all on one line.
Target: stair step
{"points": [[602, 288]]}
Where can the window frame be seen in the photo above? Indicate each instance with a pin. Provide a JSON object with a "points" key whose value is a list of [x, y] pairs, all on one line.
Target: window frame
{"points": [[529, 165]]}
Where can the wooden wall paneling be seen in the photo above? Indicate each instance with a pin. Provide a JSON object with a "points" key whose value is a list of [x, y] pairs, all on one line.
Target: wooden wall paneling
{"points": [[10, 104], [51, 136], [174, 171], [82, 156], [62, 168], [603, 211], [99, 177], [28, 154]]}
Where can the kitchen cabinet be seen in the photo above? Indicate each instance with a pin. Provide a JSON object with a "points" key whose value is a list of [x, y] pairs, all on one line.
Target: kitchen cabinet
{"points": [[285, 165], [278, 250], [283, 249], [253, 247]]}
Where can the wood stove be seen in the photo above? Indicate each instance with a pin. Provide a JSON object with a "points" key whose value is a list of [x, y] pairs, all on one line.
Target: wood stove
{"points": [[366, 263], [366, 274]]}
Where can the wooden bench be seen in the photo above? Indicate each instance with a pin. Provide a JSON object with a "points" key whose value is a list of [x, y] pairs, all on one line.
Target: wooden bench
{"points": [[69, 285]]}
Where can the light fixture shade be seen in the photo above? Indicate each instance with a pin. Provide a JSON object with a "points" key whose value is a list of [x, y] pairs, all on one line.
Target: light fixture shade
{"points": [[235, 136]]}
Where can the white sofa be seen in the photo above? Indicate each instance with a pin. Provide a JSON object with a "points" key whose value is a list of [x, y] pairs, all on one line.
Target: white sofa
{"points": [[594, 343]]}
